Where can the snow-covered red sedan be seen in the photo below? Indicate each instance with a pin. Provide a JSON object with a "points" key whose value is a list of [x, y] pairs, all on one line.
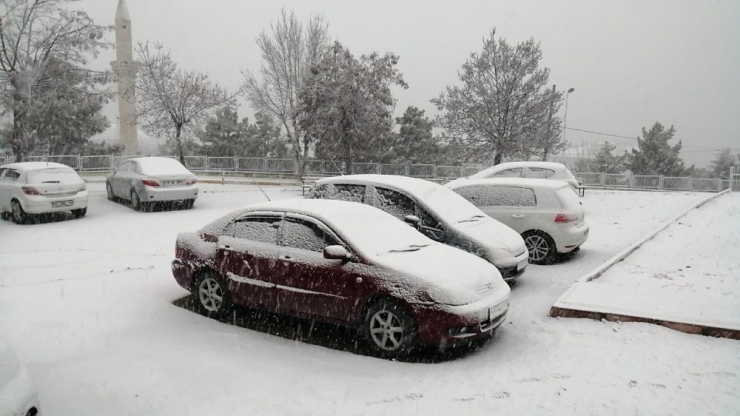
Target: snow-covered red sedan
{"points": [[343, 263]]}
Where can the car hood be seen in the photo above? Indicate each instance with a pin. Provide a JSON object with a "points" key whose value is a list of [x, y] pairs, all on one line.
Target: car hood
{"points": [[491, 234], [448, 275]]}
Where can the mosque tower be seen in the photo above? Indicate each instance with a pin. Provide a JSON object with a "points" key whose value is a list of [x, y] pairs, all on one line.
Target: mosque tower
{"points": [[125, 69]]}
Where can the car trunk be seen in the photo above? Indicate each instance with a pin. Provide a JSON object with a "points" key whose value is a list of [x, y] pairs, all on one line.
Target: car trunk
{"points": [[174, 180], [55, 182]]}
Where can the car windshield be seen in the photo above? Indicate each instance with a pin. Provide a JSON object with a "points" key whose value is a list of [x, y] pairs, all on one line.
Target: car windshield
{"points": [[448, 205], [52, 175]]}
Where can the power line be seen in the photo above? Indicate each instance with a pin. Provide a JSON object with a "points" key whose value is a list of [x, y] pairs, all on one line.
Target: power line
{"points": [[703, 149]]}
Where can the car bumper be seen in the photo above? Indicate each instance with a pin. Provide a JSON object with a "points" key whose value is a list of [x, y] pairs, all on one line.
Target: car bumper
{"points": [[511, 270], [161, 194], [45, 205], [572, 238], [183, 274], [445, 325]]}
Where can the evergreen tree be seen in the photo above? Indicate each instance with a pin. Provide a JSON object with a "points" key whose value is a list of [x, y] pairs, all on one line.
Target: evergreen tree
{"points": [[415, 142], [721, 165], [606, 162], [654, 156]]}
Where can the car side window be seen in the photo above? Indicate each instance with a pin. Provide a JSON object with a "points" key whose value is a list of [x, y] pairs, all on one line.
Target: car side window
{"points": [[539, 173], [508, 173], [527, 199], [257, 228], [11, 175], [123, 167], [395, 203], [504, 196], [305, 235], [351, 193], [474, 194], [2, 171]]}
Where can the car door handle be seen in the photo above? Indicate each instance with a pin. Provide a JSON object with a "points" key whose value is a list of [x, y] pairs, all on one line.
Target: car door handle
{"points": [[225, 247], [517, 215], [286, 257]]}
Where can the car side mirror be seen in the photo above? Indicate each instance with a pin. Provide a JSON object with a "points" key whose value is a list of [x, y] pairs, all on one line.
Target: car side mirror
{"points": [[336, 253], [412, 220]]}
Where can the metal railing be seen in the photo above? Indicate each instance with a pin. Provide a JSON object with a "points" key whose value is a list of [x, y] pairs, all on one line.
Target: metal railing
{"points": [[314, 167], [650, 182]]}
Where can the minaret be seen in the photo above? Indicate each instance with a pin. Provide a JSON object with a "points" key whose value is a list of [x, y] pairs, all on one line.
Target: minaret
{"points": [[125, 69]]}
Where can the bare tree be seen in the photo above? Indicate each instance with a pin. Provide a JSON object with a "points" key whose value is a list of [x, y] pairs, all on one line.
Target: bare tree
{"points": [[502, 107], [171, 100], [288, 52], [33, 34]]}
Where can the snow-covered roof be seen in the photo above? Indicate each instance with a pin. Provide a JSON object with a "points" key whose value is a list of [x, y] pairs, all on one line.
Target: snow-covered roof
{"points": [[449, 205], [513, 165], [523, 182], [161, 166], [27, 166]]}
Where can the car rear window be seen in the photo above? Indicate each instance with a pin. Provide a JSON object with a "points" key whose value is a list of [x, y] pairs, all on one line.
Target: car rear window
{"points": [[52, 175], [539, 173], [162, 166], [567, 197]]}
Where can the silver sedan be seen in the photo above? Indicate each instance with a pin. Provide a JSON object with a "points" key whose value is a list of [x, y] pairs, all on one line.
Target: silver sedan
{"points": [[145, 181]]}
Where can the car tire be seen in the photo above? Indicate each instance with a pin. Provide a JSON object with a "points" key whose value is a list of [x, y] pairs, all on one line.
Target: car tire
{"points": [[213, 297], [109, 191], [541, 247], [188, 203], [79, 213], [17, 213], [136, 203], [389, 328]]}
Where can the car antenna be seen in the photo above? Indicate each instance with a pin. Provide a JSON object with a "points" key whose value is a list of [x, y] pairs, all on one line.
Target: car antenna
{"points": [[263, 191]]}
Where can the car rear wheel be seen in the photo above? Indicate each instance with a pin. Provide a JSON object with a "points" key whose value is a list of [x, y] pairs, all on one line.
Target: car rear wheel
{"points": [[17, 213], [541, 247], [213, 296], [188, 203], [389, 329], [109, 190], [79, 213], [136, 203]]}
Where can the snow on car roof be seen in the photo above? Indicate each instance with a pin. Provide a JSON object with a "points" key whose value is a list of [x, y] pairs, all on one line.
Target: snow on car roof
{"points": [[28, 166], [524, 164], [523, 182], [161, 166], [449, 205], [369, 229]]}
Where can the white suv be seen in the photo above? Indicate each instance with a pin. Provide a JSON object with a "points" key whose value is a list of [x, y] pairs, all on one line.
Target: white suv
{"points": [[546, 213]]}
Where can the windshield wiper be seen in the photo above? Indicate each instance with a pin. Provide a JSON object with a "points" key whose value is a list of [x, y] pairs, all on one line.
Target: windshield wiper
{"points": [[412, 247], [473, 218]]}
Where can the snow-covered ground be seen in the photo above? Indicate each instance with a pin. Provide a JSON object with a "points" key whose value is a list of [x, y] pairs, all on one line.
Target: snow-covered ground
{"points": [[87, 305], [688, 273]]}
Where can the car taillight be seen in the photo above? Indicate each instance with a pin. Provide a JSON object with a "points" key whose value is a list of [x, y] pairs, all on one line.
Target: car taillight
{"points": [[191, 182], [565, 218], [30, 190], [150, 182]]}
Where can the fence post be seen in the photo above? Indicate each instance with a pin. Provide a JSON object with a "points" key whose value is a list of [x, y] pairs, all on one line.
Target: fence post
{"points": [[406, 169], [660, 183], [632, 180], [691, 183]]}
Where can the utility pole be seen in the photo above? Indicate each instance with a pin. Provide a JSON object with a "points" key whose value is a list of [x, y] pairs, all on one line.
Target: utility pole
{"points": [[548, 141]]}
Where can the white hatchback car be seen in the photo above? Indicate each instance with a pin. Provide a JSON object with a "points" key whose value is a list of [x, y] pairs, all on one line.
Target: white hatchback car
{"points": [[30, 188], [530, 170], [546, 213]]}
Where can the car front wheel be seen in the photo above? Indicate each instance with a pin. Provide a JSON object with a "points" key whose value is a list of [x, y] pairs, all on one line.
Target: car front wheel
{"points": [[136, 203], [109, 190], [541, 247], [214, 298], [389, 329], [79, 213]]}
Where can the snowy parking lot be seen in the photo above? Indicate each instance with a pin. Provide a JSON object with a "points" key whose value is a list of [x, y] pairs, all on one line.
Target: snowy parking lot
{"points": [[88, 307]]}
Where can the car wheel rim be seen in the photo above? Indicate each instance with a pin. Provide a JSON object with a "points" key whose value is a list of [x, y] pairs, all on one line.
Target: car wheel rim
{"points": [[386, 330], [135, 200], [211, 295], [537, 246]]}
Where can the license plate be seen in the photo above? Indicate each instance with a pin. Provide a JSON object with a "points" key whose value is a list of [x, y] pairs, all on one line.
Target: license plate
{"points": [[57, 204], [522, 264], [172, 183]]}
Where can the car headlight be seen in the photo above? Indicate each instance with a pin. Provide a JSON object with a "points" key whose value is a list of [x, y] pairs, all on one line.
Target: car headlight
{"points": [[83, 187], [500, 256]]}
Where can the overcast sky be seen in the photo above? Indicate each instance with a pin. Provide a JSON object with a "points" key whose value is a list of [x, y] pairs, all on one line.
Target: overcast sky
{"points": [[631, 63]]}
